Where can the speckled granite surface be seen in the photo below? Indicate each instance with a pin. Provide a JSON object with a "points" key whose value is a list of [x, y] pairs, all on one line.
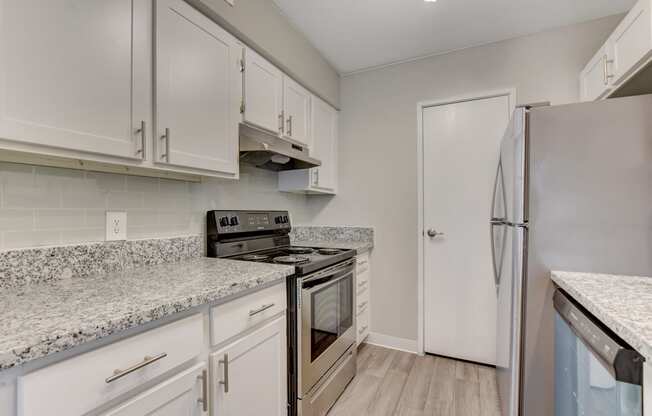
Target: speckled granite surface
{"points": [[622, 303], [39, 320], [22, 267], [359, 238]]}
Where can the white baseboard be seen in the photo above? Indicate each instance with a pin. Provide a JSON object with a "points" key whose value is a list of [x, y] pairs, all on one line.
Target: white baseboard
{"points": [[394, 343]]}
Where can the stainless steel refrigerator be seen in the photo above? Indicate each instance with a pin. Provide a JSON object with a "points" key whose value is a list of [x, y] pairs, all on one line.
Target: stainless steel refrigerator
{"points": [[573, 192]]}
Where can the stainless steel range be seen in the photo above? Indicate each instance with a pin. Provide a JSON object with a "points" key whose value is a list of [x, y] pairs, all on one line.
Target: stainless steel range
{"points": [[321, 298]]}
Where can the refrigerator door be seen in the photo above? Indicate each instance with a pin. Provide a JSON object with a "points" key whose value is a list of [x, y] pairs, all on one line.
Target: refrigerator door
{"points": [[513, 161], [509, 321]]}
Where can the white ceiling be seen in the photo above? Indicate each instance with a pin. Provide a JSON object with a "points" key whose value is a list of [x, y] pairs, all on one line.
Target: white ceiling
{"points": [[360, 34]]}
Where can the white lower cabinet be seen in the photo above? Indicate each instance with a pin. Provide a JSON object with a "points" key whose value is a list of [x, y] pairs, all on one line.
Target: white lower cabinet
{"points": [[249, 376], [363, 307], [185, 394]]}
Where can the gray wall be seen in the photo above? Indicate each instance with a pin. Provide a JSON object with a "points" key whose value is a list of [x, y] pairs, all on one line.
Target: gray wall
{"points": [[261, 24], [378, 135]]}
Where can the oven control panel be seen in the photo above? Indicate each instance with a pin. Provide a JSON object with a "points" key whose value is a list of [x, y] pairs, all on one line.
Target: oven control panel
{"points": [[226, 222]]}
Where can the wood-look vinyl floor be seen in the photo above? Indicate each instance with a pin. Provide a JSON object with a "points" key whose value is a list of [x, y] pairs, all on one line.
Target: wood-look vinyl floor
{"points": [[396, 383]]}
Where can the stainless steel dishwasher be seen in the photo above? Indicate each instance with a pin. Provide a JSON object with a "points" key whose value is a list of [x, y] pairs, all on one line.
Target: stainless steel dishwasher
{"points": [[596, 373]]}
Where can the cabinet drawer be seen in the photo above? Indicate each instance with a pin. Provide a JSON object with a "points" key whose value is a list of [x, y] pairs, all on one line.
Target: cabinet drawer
{"points": [[362, 328], [234, 317], [82, 383], [362, 302]]}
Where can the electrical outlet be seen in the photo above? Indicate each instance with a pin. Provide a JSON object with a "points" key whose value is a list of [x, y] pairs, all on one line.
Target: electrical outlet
{"points": [[116, 225]]}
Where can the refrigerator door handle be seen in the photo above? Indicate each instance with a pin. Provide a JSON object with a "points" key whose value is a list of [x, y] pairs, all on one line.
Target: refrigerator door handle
{"points": [[493, 252]]}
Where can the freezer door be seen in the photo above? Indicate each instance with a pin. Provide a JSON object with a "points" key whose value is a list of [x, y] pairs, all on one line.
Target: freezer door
{"points": [[509, 320], [513, 159]]}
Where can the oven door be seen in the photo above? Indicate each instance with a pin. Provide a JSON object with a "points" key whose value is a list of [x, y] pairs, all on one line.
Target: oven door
{"points": [[326, 325]]}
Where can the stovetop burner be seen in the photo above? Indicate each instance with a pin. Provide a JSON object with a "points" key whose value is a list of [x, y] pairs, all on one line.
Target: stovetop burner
{"points": [[300, 250], [329, 251], [255, 257], [291, 259]]}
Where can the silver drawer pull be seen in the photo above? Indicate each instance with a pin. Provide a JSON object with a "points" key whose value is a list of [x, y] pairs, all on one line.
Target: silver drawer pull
{"points": [[362, 305], [361, 330], [261, 309], [117, 374], [225, 382], [204, 390]]}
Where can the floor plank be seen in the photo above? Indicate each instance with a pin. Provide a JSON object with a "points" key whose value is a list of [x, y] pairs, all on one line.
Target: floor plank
{"points": [[396, 383]]}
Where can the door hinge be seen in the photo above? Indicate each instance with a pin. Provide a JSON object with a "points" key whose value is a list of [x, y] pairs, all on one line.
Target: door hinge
{"points": [[242, 65], [242, 107]]}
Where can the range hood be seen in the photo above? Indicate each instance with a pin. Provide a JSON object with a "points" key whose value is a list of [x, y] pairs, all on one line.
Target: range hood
{"points": [[267, 151]]}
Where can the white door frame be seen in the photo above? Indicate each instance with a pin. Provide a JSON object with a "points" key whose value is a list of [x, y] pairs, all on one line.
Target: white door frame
{"points": [[421, 106]]}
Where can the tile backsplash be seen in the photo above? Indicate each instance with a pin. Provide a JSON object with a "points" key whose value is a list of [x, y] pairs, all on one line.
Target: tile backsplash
{"points": [[42, 206]]}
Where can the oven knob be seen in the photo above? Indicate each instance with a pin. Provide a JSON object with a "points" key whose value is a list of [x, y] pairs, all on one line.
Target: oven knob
{"points": [[286, 219], [234, 221], [277, 220], [224, 221]]}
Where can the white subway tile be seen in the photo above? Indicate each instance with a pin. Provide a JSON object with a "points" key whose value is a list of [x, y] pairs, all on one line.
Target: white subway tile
{"points": [[84, 235], [59, 219], [30, 197], [124, 200], [14, 174], [95, 218], [83, 197], [24, 239], [142, 184], [142, 218], [16, 219], [106, 181], [58, 177], [172, 186]]}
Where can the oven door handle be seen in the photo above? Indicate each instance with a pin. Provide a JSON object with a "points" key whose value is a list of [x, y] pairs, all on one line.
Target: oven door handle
{"points": [[328, 283]]}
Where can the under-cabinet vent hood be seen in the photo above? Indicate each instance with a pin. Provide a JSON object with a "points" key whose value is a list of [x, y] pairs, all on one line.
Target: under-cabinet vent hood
{"points": [[268, 151]]}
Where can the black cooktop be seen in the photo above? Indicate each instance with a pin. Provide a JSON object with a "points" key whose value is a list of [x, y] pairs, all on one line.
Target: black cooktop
{"points": [[304, 259]]}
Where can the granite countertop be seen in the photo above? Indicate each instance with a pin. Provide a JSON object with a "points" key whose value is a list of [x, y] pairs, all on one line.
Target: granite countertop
{"points": [[358, 246], [42, 319], [622, 303]]}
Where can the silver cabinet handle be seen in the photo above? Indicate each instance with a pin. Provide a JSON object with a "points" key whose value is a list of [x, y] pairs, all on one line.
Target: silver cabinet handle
{"points": [[281, 117], [361, 330], [261, 309], [166, 137], [289, 126], [118, 374], [606, 63], [142, 133], [433, 233], [362, 305], [225, 382], [315, 177], [204, 390]]}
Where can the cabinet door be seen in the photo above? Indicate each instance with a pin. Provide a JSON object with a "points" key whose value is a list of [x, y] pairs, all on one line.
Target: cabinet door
{"points": [[632, 40], [197, 90], [249, 377], [263, 93], [68, 73], [296, 108], [185, 394], [324, 127], [594, 79]]}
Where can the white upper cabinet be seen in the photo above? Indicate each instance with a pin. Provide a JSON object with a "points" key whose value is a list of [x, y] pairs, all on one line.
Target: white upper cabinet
{"points": [[595, 78], [627, 51], [296, 110], [263, 93], [198, 90], [632, 41], [322, 179], [324, 127], [69, 72]]}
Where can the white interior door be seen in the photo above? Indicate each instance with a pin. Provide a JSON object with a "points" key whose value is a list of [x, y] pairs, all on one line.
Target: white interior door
{"points": [[461, 145]]}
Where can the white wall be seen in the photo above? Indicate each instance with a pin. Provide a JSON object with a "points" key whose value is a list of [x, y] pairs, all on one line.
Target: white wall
{"points": [[51, 206], [378, 134]]}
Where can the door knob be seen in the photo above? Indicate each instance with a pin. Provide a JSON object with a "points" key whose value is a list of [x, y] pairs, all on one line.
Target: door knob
{"points": [[432, 233]]}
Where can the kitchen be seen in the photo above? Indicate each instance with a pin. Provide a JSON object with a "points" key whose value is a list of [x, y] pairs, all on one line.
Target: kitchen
{"points": [[112, 128]]}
